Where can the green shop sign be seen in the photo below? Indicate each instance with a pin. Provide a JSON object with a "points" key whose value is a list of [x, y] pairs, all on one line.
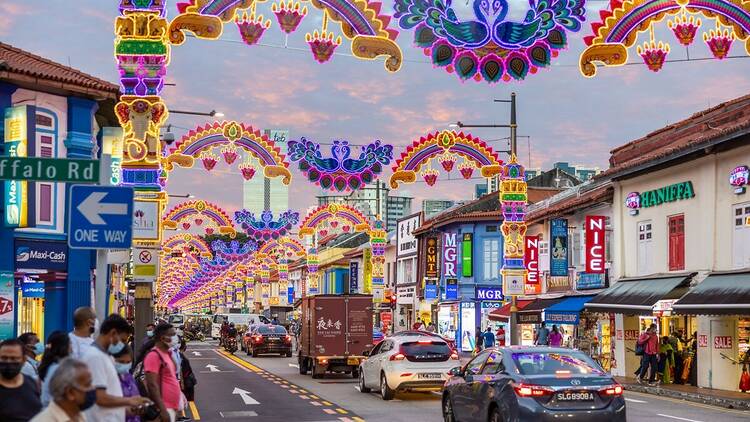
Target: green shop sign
{"points": [[671, 193]]}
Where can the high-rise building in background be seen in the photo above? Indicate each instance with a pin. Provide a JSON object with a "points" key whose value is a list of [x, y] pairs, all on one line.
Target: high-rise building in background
{"points": [[392, 207], [262, 193], [431, 207], [577, 170]]}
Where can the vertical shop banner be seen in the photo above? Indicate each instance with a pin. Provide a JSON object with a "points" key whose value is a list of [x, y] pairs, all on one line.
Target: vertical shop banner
{"points": [[7, 320], [432, 258], [112, 146], [367, 272], [353, 277], [450, 254], [290, 294], [558, 266], [430, 288], [595, 243], [451, 288], [466, 255], [20, 137], [468, 326], [531, 259]]}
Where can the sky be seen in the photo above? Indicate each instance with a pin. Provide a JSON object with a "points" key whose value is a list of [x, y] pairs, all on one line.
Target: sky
{"points": [[561, 114]]}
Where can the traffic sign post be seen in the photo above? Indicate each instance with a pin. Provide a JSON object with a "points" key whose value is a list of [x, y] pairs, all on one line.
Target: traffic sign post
{"points": [[100, 217]]}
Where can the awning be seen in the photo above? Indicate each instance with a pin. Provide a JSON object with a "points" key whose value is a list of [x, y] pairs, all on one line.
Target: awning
{"points": [[532, 313], [725, 293], [638, 296], [503, 314], [567, 311]]}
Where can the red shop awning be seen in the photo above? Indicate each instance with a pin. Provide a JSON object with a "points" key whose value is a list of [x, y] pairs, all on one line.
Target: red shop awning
{"points": [[503, 314]]}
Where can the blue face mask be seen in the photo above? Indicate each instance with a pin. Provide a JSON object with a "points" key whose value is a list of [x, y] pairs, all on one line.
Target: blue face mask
{"points": [[116, 348], [123, 368], [39, 348]]}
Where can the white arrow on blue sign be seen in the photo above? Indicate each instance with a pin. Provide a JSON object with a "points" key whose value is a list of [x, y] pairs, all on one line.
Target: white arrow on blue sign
{"points": [[100, 217]]}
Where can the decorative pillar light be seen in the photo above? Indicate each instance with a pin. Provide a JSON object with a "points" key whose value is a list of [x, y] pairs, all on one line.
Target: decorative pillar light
{"points": [[378, 239], [513, 199]]}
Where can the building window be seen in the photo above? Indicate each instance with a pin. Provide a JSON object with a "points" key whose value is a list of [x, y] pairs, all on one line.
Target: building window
{"points": [[577, 248], [45, 202], [741, 240], [676, 225], [645, 247], [491, 259], [491, 229]]}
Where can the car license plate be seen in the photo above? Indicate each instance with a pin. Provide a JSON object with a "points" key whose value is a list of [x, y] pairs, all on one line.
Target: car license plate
{"points": [[575, 396], [272, 339], [430, 376], [352, 361]]}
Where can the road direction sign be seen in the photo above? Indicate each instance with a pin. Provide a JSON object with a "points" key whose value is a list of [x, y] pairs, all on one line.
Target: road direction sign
{"points": [[49, 169], [100, 217]]}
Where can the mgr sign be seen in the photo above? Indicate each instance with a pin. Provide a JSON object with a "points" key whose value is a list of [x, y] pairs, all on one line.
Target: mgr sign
{"points": [[100, 217], [450, 252], [595, 244]]}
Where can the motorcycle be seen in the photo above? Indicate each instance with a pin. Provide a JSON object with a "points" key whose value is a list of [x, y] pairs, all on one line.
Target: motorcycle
{"points": [[193, 335], [230, 344]]}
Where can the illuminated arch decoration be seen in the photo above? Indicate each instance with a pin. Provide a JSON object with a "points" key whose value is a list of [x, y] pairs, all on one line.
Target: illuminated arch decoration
{"points": [[340, 172], [446, 146], [513, 200], [199, 213], [333, 214], [230, 137], [188, 242], [234, 251], [490, 47], [619, 26], [265, 227], [285, 246]]}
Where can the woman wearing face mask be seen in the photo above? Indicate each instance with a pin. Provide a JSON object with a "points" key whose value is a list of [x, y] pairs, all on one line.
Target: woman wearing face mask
{"points": [[72, 393], [123, 363], [59, 348]]}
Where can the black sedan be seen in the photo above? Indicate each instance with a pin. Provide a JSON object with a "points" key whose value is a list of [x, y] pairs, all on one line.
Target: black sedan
{"points": [[268, 339], [519, 384]]}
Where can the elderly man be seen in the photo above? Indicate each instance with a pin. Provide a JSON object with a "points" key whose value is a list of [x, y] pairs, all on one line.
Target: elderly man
{"points": [[71, 391]]}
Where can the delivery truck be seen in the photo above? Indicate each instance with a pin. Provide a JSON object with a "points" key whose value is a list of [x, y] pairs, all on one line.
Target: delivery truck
{"points": [[336, 331]]}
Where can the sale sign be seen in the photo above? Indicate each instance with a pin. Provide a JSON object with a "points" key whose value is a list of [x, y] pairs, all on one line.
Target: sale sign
{"points": [[450, 253], [7, 319], [595, 243], [722, 342], [531, 259]]}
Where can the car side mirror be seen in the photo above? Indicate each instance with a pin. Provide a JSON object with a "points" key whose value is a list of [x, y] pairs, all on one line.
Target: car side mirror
{"points": [[456, 372]]}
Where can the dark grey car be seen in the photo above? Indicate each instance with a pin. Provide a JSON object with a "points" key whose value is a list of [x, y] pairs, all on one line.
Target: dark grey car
{"points": [[519, 384]]}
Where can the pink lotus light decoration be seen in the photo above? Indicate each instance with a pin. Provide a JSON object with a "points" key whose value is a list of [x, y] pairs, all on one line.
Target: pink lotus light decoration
{"points": [[209, 160], [447, 160], [719, 42], [653, 54], [251, 27], [334, 224], [346, 228], [289, 14], [229, 152], [466, 169], [684, 28], [248, 171], [430, 176], [322, 45]]}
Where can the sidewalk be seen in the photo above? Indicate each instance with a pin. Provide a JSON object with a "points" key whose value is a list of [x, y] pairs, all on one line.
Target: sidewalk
{"points": [[721, 398]]}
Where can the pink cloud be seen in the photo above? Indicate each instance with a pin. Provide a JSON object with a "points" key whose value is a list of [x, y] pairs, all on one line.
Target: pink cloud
{"points": [[9, 12]]}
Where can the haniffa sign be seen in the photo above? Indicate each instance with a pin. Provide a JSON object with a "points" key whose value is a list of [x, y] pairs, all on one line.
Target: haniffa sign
{"points": [[671, 193]]}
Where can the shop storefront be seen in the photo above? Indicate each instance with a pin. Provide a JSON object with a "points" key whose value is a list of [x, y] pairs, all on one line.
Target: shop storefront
{"points": [[500, 317], [587, 331], [405, 307], [530, 318], [448, 320]]}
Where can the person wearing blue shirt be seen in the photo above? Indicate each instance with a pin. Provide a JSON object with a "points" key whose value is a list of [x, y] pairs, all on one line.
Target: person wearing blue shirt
{"points": [[489, 338]]}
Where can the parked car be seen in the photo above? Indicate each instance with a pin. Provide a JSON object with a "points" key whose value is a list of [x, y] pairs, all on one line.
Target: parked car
{"points": [[514, 384], [412, 362], [268, 338], [377, 336]]}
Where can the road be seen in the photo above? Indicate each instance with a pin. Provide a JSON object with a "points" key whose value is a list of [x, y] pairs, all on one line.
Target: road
{"points": [[285, 395]]}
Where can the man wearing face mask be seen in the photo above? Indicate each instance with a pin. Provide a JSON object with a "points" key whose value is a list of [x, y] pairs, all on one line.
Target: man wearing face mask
{"points": [[32, 348], [71, 391], [110, 403], [19, 394], [161, 373], [84, 321]]}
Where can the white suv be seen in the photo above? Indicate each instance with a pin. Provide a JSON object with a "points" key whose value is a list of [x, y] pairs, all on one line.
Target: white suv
{"points": [[407, 363]]}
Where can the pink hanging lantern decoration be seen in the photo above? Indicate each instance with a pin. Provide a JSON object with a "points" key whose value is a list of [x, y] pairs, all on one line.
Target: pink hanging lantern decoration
{"points": [[289, 14], [430, 176], [209, 160], [322, 44], [684, 28], [654, 54], [229, 152], [719, 42], [466, 169], [447, 160], [247, 169], [251, 27]]}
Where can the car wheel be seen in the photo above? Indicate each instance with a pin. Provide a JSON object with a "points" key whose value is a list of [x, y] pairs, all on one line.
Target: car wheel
{"points": [[495, 415], [302, 366], [255, 353], [385, 391], [289, 354], [362, 387], [448, 415], [355, 373]]}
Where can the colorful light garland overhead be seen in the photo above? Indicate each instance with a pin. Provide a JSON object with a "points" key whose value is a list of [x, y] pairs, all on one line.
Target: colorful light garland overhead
{"points": [[619, 27], [201, 213], [490, 47], [187, 243], [265, 227], [446, 146], [340, 172]]}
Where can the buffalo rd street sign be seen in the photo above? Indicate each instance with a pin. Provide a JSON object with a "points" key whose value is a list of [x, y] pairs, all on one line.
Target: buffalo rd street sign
{"points": [[100, 217], [49, 169]]}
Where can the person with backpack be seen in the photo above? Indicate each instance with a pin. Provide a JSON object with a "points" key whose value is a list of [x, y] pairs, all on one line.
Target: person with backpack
{"points": [[161, 373], [189, 381], [648, 344]]}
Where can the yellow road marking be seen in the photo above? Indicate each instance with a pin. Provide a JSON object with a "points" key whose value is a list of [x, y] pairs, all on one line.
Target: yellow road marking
{"points": [[358, 419], [690, 403], [327, 403], [194, 411], [241, 362], [315, 397], [342, 411]]}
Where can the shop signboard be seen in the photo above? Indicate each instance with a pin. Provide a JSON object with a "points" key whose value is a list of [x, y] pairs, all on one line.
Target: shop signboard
{"points": [[467, 245], [20, 129], [671, 193], [588, 281], [558, 284], [595, 243], [531, 259], [407, 243], [386, 318], [7, 316], [450, 253], [491, 305], [32, 290], [532, 289], [430, 288], [664, 307], [529, 318], [488, 293], [146, 223], [405, 295], [702, 340], [451, 288], [290, 294], [723, 342], [513, 282], [561, 318], [739, 177], [378, 294], [41, 255], [70, 170], [367, 271], [558, 266], [468, 329], [353, 277], [432, 257]]}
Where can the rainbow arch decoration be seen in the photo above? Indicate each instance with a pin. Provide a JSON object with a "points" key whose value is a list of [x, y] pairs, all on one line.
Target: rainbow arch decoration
{"points": [[199, 213], [186, 240], [619, 26], [333, 213], [286, 245], [446, 147], [230, 138]]}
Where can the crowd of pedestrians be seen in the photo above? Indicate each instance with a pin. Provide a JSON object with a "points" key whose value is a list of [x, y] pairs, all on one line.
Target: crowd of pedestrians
{"points": [[90, 374]]}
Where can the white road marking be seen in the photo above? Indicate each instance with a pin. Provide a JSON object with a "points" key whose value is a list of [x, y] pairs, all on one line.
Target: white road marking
{"points": [[294, 365], [356, 387], [196, 353], [245, 395], [635, 400], [213, 368], [677, 417], [238, 414]]}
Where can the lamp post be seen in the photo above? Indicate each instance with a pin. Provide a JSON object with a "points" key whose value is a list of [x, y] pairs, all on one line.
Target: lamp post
{"points": [[212, 113], [515, 185]]}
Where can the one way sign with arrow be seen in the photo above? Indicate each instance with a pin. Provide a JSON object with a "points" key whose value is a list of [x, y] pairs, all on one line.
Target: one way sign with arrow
{"points": [[101, 217]]}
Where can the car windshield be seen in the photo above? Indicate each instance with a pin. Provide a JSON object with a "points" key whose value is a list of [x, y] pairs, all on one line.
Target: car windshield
{"points": [[555, 363], [271, 329]]}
